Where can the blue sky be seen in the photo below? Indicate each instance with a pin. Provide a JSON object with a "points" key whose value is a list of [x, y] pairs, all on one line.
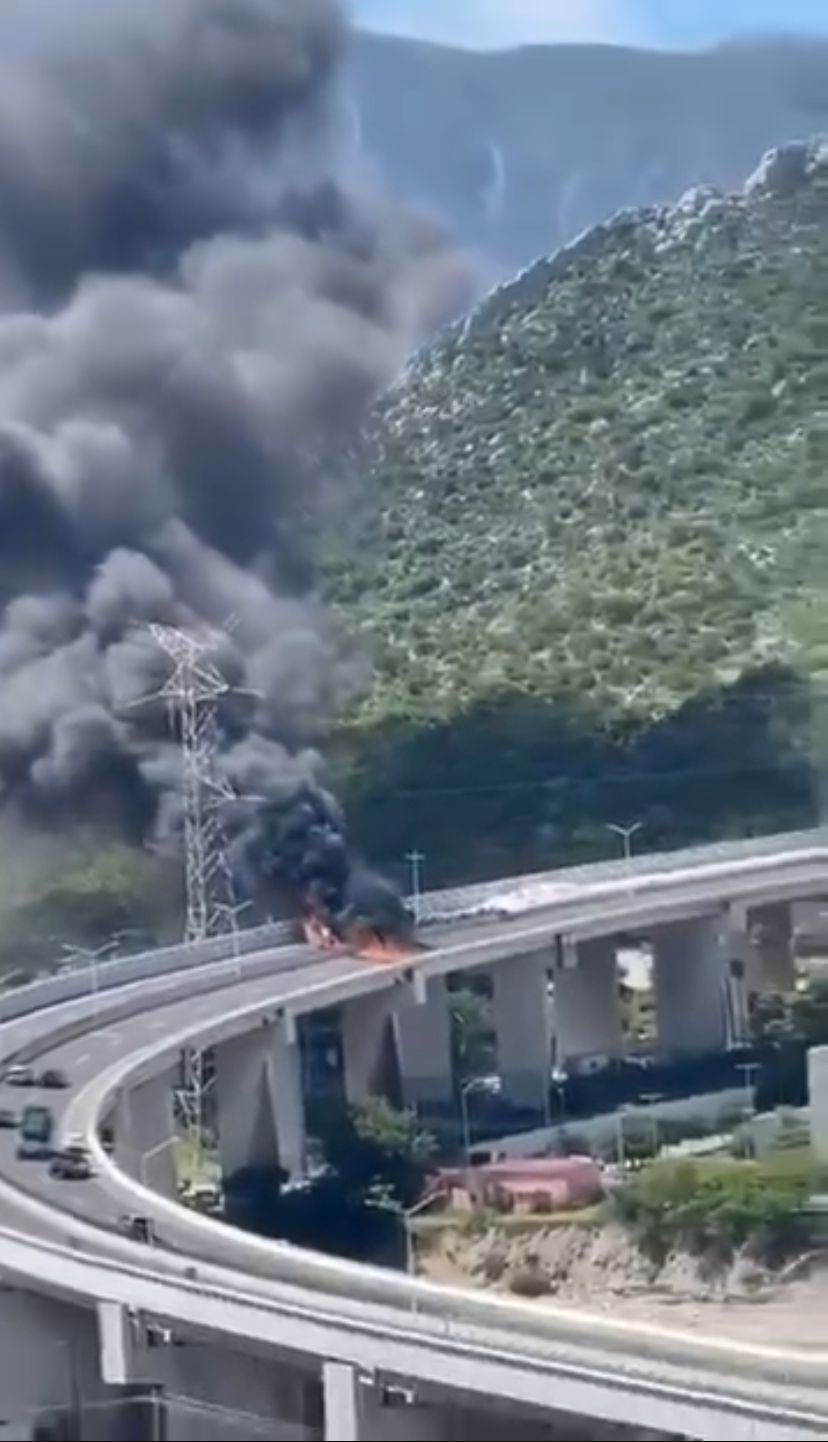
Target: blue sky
{"points": [[649, 22]]}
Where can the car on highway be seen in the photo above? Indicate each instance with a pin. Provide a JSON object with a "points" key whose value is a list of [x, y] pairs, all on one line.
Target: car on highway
{"points": [[71, 1164], [30, 1149], [37, 1125], [137, 1228], [53, 1079], [9, 1119], [19, 1076]]}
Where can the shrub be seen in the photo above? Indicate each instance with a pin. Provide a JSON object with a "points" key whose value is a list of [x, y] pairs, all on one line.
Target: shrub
{"points": [[495, 1264], [530, 1280], [714, 1209]]}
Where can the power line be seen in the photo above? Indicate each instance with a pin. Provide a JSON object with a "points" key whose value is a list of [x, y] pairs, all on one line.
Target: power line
{"points": [[589, 783]]}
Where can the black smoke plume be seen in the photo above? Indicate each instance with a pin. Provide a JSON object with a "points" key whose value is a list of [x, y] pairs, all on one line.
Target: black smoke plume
{"points": [[300, 842], [195, 311]]}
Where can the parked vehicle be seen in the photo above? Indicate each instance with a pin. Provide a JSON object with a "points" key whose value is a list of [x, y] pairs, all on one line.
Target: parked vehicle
{"points": [[8, 1119], [53, 1079], [19, 1076]]}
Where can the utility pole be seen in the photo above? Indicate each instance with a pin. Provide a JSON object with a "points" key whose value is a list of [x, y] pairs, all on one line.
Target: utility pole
{"points": [[415, 861]]}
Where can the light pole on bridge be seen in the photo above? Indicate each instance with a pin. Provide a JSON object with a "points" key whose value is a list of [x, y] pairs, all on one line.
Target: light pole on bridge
{"points": [[626, 833], [415, 861]]}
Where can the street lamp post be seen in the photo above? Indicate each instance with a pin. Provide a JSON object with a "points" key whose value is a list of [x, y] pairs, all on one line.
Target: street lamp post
{"points": [[409, 1216], [153, 1152], [92, 959], [415, 861], [475, 1084], [626, 833], [650, 1100], [465, 1091], [750, 1069], [559, 1084], [620, 1118]]}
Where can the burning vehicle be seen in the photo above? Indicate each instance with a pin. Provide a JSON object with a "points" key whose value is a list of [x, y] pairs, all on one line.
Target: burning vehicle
{"points": [[299, 846]]}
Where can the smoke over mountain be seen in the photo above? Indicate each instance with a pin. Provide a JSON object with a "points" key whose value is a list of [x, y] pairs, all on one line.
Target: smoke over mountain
{"points": [[194, 311]]}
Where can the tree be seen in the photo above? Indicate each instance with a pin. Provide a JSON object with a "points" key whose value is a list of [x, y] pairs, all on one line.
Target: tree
{"points": [[802, 1017], [809, 1012], [472, 1029], [378, 1153]]}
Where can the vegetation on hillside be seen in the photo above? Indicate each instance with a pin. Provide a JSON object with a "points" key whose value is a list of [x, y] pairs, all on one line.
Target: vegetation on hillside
{"points": [[602, 505], [612, 486], [114, 894]]}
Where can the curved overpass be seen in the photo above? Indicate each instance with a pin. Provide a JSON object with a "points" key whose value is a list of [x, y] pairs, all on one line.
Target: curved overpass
{"points": [[209, 1278]]}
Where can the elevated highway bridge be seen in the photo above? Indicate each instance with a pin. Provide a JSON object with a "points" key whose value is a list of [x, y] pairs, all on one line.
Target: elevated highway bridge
{"points": [[358, 1352]]}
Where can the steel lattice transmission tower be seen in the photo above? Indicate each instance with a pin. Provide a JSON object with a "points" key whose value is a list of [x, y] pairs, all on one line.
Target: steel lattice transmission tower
{"points": [[192, 693]]}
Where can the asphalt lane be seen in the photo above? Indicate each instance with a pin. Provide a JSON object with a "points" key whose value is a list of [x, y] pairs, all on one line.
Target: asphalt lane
{"points": [[86, 1056]]}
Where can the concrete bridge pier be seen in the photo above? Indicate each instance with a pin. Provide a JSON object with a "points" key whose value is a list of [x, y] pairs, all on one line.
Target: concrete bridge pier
{"points": [[691, 977], [523, 1025], [260, 1107], [424, 1046], [145, 1133], [818, 1100], [369, 1047], [771, 934], [356, 1411], [585, 1007]]}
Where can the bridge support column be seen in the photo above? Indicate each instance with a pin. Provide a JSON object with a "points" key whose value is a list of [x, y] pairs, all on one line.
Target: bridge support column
{"points": [[116, 1334], [369, 1048], [523, 1026], [771, 936], [740, 973], [261, 1116], [145, 1133], [818, 1098], [424, 1046], [691, 985], [356, 1411], [586, 1009], [347, 1404]]}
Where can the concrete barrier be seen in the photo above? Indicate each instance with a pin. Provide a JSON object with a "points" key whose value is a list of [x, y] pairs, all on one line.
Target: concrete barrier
{"points": [[108, 975]]}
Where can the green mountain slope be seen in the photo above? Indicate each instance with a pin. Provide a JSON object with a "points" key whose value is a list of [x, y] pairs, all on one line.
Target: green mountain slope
{"points": [[609, 485], [601, 505]]}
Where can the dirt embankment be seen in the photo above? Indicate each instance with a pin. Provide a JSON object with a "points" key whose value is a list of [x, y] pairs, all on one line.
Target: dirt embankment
{"points": [[599, 1269]]}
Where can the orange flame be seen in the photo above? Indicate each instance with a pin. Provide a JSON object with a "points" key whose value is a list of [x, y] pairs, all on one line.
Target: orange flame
{"points": [[319, 935], [361, 941], [381, 950]]}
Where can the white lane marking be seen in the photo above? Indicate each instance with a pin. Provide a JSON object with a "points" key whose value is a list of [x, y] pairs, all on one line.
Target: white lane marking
{"points": [[79, 1060]]}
